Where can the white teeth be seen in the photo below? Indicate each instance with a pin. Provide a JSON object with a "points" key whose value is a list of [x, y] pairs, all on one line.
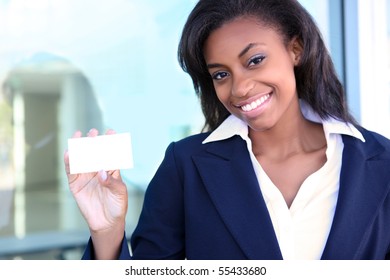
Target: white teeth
{"points": [[255, 104]]}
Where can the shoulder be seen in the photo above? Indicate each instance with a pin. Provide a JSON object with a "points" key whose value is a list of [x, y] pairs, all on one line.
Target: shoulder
{"points": [[196, 139], [374, 146], [373, 137], [190, 144]]}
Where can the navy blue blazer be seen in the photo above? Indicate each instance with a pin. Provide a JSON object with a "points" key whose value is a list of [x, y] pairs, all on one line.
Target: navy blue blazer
{"points": [[204, 202]]}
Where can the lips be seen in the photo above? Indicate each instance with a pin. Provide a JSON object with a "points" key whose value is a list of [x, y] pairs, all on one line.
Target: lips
{"points": [[254, 104]]}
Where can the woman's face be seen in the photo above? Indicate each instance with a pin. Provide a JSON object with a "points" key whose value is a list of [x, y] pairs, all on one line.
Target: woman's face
{"points": [[253, 72]]}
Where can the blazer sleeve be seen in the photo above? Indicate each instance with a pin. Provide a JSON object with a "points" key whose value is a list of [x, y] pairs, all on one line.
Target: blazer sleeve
{"points": [[123, 255], [160, 230]]}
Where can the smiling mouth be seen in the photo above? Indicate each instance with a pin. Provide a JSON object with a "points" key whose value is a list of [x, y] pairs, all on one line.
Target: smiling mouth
{"points": [[255, 104]]}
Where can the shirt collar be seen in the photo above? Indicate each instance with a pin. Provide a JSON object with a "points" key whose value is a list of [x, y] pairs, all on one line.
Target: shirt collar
{"points": [[235, 126]]}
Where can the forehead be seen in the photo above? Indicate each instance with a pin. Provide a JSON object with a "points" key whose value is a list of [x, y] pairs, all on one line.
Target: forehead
{"points": [[235, 35]]}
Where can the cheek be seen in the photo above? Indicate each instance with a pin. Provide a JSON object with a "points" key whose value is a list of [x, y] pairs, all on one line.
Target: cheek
{"points": [[282, 77], [223, 93], [280, 71]]}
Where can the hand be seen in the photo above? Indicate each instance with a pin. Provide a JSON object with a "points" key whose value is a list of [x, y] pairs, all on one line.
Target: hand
{"points": [[101, 196]]}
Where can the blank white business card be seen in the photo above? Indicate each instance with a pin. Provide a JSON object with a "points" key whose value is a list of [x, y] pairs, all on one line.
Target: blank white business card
{"points": [[103, 152]]}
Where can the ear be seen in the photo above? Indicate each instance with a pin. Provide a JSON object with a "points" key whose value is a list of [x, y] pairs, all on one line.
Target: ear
{"points": [[296, 49]]}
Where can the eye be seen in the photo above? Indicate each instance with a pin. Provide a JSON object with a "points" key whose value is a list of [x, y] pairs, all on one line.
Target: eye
{"points": [[256, 60], [219, 75]]}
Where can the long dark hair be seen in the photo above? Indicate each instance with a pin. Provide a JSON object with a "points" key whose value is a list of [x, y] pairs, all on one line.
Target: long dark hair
{"points": [[316, 78]]}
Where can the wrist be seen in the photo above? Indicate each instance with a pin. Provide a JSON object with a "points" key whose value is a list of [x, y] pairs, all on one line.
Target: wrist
{"points": [[107, 243]]}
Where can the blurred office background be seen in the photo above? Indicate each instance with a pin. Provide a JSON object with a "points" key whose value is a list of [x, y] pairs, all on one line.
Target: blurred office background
{"points": [[69, 64]]}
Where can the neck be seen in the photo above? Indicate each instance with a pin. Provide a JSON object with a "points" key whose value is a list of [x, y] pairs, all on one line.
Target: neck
{"points": [[293, 134]]}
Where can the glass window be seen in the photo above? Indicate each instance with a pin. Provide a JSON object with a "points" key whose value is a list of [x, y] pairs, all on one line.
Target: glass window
{"points": [[357, 35], [328, 16], [373, 71], [68, 65]]}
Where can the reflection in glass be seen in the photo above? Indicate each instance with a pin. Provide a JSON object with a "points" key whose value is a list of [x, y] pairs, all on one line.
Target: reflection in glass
{"points": [[68, 65]]}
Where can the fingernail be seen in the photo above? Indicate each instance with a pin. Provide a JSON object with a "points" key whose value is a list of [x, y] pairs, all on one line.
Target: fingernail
{"points": [[103, 175]]}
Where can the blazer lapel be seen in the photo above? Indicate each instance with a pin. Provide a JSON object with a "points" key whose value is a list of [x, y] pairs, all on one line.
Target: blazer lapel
{"points": [[365, 169], [228, 175]]}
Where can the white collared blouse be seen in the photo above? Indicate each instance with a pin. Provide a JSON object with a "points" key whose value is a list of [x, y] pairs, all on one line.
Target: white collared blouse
{"points": [[301, 230]]}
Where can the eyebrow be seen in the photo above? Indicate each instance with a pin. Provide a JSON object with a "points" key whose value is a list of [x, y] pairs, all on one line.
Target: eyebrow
{"points": [[241, 54], [247, 48]]}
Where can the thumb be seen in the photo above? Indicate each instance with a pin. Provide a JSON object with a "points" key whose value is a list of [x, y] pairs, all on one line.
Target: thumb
{"points": [[103, 176], [106, 179]]}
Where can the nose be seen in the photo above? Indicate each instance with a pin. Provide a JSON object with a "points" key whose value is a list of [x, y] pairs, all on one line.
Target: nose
{"points": [[241, 85]]}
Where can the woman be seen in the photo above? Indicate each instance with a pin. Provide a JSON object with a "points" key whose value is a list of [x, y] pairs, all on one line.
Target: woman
{"points": [[282, 170]]}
